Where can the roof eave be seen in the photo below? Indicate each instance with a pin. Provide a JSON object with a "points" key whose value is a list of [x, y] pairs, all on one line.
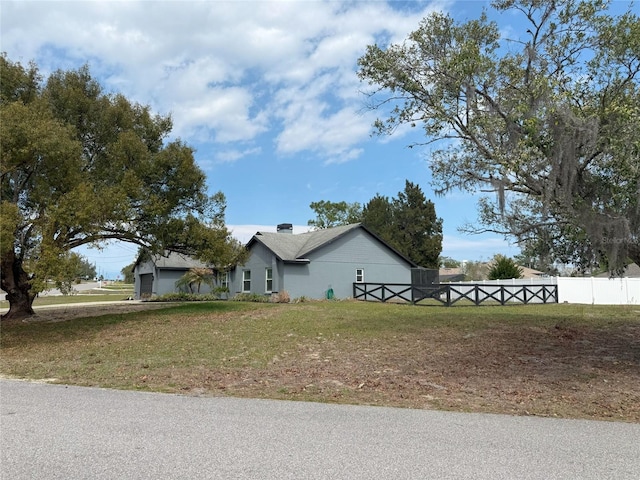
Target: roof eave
{"points": [[255, 239]]}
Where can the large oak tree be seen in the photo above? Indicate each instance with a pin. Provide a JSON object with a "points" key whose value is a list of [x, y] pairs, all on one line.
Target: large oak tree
{"points": [[82, 166], [545, 115]]}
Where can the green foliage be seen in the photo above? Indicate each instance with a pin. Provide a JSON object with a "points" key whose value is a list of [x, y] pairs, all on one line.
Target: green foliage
{"points": [[127, 273], [408, 223], [546, 121], [334, 214], [86, 269], [250, 297], [418, 230], [448, 262], [475, 270], [504, 268], [196, 276], [377, 215], [185, 297], [76, 267], [81, 167]]}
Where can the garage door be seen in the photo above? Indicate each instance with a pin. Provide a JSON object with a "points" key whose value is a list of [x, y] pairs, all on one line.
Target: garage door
{"points": [[146, 285]]}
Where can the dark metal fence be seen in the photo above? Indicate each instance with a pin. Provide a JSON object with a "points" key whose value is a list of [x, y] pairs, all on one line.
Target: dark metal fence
{"points": [[451, 293]]}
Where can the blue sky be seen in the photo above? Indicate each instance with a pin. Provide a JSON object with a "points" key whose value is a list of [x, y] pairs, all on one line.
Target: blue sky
{"points": [[266, 92]]}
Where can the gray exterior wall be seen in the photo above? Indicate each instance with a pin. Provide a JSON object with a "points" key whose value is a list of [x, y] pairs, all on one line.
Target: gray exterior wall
{"points": [[164, 279], [331, 266], [261, 258]]}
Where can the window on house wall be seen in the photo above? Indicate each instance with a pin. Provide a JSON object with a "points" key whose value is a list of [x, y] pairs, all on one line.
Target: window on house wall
{"points": [[223, 279], [359, 275], [268, 283], [246, 280]]}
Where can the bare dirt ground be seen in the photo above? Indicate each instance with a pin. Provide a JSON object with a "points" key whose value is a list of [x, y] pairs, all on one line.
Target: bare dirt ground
{"points": [[552, 372]]}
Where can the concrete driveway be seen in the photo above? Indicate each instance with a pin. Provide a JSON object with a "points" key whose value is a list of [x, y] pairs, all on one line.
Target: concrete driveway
{"points": [[60, 432]]}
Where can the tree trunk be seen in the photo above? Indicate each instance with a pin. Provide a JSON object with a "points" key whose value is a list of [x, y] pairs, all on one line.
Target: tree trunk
{"points": [[16, 283]]}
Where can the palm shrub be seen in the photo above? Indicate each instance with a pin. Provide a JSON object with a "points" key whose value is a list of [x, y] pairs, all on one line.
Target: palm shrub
{"points": [[196, 276], [504, 268]]}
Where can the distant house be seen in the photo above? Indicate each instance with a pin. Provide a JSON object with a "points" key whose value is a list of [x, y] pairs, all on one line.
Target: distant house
{"points": [[314, 263], [532, 273], [451, 275], [457, 274], [630, 271], [157, 274]]}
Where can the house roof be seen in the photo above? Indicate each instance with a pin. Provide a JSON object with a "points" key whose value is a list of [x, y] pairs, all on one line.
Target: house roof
{"points": [[451, 277], [296, 248], [486, 266], [631, 271], [531, 272], [177, 261]]}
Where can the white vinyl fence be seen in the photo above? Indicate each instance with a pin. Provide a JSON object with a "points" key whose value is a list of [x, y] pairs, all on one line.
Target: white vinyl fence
{"points": [[589, 290], [599, 291]]}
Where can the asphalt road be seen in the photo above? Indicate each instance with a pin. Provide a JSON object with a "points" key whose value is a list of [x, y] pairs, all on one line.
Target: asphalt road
{"points": [[79, 287], [60, 432]]}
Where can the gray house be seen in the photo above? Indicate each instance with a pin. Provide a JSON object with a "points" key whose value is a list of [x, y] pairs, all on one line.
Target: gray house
{"points": [[158, 274], [310, 264]]}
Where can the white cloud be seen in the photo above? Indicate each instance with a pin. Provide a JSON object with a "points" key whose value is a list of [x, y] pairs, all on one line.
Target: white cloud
{"points": [[226, 71], [225, 112], [233, 155]]}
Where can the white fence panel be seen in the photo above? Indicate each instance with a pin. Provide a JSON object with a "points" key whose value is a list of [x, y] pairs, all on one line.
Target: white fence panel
{"points": [[599, 291], [517, 281], [589, 290]]}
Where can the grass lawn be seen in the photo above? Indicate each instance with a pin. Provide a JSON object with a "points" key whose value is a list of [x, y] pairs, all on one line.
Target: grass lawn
{"points": [[568, 361]]}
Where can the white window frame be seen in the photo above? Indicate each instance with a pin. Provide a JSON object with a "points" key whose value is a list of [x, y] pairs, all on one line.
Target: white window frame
{"points": [[246, 278], [359, 275], [268, 280], [224, 280]]}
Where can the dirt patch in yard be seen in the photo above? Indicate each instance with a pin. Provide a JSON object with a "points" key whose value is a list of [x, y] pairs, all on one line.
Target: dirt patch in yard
{"points": [[569, 369], [553, 372]]}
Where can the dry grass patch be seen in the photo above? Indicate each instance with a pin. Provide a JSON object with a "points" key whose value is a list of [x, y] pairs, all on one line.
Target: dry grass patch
{"points": [[552, 360]]}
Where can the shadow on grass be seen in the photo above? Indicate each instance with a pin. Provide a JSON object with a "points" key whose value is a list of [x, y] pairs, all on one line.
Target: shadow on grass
{"points": [[49, 332]]}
